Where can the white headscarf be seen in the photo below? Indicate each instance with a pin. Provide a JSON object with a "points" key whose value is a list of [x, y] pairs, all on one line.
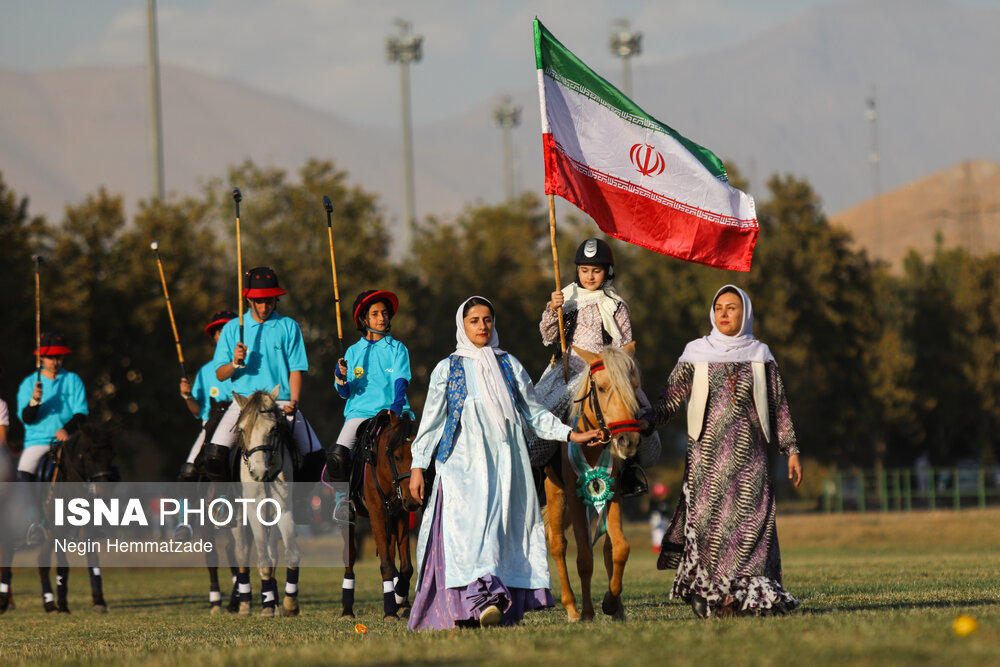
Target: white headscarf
{"points": [[489, 377], [607, 301], [717, 347]]}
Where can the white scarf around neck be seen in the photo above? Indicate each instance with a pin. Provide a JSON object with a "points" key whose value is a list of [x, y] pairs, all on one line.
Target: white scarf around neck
{"points": [[606, 299], [489, 377]]}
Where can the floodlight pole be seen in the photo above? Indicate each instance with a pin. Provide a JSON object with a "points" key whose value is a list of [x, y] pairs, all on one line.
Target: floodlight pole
{"points": [[507, 116], [876, 160], [156, 116], [625, 44], [404, 49]]}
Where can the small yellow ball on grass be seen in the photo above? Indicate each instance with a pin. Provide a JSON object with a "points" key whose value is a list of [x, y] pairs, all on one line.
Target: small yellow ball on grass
{"points": [[360, 628], [964, 625]]}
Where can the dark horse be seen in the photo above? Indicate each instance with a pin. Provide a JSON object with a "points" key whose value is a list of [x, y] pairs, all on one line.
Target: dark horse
{"points": [[87, 457], [206, 484], [380, 486]]}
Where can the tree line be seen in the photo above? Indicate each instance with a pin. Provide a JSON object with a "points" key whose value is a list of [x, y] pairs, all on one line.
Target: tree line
{"points": [[880, 368]]}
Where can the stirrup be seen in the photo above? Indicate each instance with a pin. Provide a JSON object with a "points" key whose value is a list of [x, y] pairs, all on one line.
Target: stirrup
{"points": [[344, 512], [36, 535]]}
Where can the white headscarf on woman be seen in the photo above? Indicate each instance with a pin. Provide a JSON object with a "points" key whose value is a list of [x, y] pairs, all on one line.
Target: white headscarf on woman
{"points": [[717, 347], [489, 377]]}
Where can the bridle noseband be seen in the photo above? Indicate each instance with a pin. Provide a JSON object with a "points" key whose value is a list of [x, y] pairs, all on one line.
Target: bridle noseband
{"points": [[273, 442], [608, 431]]}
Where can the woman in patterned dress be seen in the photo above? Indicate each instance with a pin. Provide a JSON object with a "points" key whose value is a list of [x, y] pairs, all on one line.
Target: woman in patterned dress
{"points": [[722, 538]]}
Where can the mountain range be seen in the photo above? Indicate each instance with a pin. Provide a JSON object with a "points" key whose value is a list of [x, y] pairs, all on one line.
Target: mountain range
{"points": [[792, 99]]}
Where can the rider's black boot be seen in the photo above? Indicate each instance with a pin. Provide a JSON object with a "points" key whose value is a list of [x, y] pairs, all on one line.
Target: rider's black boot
{"points": [[632, 481], [338, 464], [187, 473]]}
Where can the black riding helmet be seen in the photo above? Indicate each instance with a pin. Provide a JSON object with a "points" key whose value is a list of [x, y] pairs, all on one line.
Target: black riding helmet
{"points": [[366, 299], [596, 251]]}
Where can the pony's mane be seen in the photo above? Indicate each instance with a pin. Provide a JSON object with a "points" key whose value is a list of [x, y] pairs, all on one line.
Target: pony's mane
{"points": [[622, 372], [259, 403]]}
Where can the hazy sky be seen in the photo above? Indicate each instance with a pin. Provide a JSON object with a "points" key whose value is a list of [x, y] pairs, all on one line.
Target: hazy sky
{"points": [[330, 54]]}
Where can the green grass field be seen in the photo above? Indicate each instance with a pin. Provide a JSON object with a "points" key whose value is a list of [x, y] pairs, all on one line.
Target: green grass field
{"points": [[875, 589]]}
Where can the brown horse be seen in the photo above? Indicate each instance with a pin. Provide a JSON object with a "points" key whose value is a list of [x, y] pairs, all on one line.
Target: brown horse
{"points": [[606, 399], [380, 481]]}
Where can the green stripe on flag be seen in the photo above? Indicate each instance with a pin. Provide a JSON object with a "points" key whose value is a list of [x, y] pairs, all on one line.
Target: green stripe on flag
{"points": [[564, 67]]}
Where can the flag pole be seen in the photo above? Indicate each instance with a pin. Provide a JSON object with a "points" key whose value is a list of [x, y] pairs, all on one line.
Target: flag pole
{"points": [[555, 271]]}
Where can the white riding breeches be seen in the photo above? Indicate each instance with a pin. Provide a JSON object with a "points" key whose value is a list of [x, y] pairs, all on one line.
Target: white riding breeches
{"points": [[302, 433]]}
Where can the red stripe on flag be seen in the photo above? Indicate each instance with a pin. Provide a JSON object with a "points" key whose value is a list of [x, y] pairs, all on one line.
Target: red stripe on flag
{"points": [[679, 230]]}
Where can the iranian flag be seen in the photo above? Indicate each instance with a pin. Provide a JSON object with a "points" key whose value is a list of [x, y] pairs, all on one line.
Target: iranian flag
{"points": [[640, 180]]}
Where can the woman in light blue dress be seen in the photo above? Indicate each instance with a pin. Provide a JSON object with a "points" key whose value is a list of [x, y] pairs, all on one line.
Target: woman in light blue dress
{"points": [[482, 555]]}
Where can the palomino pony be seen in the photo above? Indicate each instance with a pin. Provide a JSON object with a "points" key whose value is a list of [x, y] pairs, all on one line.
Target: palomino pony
{"points": [[582, 480], [380, 481], [265, 446], [87, 457]]}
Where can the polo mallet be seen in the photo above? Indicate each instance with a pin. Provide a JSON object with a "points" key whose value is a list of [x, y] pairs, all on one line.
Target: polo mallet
{"points": [[170, 310], [237, 197], [328, 205], [37, 259]]}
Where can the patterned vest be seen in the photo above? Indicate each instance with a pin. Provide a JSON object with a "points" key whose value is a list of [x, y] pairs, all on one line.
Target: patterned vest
{"points": [[456, 395]]}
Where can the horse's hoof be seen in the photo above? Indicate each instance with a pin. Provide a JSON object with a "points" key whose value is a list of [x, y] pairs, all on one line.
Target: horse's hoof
{"points": [[244, 610], [290, 606], [215, 610], [97, 609], [404, 612], [63, 608], [51, 608], [390, 617], [5, 602], [233, 606], [611, 605], [347, 614], [267, 612]]}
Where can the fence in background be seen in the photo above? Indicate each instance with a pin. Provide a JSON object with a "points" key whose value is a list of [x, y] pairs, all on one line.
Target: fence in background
{"points": [[905, 489]]}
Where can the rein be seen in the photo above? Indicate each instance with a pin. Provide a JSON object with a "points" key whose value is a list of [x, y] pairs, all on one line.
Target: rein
{"points": [[395, 497], [607, 430]]}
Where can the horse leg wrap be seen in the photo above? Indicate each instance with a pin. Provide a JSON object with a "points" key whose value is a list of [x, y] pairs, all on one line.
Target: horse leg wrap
{"points": [[402, 590], [48, 599], [62, 588], [269, 593], [243, 584], [4, 589], [389, 598], [347, 593], [234, 596], [292, 581]]}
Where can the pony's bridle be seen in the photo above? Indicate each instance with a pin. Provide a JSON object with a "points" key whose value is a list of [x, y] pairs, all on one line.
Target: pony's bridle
{"points": [[395, 498], [608, 431]]}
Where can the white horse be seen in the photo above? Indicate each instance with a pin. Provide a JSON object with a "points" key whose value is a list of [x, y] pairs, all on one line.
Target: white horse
{"points": [[266, 473]]}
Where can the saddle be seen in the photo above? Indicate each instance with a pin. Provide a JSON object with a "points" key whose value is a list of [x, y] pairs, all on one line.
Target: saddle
{"points": [[365, 452]]}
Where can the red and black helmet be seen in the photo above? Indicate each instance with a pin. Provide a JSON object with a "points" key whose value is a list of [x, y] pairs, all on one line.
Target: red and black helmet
{"points": [[365, 301], [219, 319], [261, 283], [53, 345]]}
